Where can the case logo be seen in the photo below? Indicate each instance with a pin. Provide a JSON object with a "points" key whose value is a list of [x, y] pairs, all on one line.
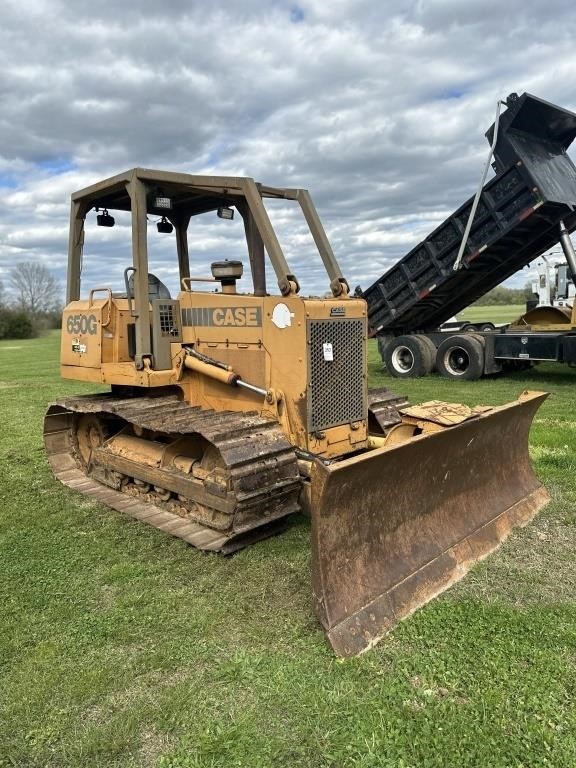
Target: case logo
{"points": [[224, 317]]}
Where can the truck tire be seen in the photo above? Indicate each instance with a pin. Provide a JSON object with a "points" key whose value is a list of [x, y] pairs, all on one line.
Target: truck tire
{"points": [[431, 347], [408, 357], [461, 357], [479, 338], [486, 327]]}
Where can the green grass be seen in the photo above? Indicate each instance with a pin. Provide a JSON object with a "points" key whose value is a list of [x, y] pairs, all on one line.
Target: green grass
{"points": [[120, 646], [496, 313]]}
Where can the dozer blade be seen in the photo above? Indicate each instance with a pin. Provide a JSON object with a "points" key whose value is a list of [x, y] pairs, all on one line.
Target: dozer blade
{"points": [[394, 527]]}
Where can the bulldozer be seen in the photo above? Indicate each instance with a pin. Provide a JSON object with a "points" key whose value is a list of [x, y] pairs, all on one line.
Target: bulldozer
{"points": [[229, 411]]}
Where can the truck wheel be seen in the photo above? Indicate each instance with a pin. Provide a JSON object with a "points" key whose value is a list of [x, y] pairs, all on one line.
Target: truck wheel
{"points": [[460, 357], [430, 348], [407, 357], [487, 327]]}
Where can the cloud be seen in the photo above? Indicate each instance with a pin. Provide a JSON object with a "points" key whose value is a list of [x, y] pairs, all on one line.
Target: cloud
{"points": [[379, 109]]}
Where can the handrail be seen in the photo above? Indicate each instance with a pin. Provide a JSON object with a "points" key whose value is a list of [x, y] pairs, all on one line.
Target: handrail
{"points": [[108, 301], [128, 294], [187, 280]]}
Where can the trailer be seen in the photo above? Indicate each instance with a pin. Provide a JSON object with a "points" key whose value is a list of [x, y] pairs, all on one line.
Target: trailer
{"points": [[468, 325], [528, 207]]}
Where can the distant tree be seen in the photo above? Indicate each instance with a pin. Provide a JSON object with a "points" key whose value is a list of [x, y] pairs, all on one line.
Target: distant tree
{"points": [[16, 324], [1, 293], [502, 295], [37, 290]]}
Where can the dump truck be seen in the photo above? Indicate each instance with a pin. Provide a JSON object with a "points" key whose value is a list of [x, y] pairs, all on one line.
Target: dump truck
{"points": [[228, 411], [524, 210]]}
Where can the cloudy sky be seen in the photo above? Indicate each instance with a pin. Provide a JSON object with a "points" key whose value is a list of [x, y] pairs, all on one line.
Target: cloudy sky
{"points": [[378, 108]]}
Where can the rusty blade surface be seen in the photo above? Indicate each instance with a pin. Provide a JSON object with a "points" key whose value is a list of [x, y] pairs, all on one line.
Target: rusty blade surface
{"points": [[394, 527]]}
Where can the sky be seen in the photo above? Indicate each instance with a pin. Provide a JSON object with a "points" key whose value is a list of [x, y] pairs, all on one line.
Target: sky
{"points": [[378, 108]]}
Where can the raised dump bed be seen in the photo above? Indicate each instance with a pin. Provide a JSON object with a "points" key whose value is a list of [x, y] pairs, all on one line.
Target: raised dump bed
{"points": [[517, 220]]}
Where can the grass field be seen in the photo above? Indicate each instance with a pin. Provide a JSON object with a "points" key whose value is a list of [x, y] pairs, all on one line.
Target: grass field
{"points": [[496, 313], [120, 646]]}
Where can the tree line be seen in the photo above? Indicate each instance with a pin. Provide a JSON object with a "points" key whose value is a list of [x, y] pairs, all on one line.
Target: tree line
{"points": [[30, 301], [502, 295]]}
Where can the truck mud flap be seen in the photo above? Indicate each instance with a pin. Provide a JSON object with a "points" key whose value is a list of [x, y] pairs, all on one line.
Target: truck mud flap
{"points": [[394, 527]]}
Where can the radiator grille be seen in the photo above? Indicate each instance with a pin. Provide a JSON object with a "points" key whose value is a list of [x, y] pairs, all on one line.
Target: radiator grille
{"points": [[337, 393]]}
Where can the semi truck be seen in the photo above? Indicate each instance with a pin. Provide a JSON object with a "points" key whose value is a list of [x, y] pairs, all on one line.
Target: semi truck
{"points": [[552, 286], [526, 209]]}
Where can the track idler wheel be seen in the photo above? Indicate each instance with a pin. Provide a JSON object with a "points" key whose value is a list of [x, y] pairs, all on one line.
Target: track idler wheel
{"points": [[91, 433]]}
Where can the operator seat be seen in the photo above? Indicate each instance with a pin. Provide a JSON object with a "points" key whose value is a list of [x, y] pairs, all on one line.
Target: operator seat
{"points": [[156, 288]]}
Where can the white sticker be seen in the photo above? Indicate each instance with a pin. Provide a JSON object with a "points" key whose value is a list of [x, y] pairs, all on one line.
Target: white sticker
{"points": [[281, 316], [328, 351]]}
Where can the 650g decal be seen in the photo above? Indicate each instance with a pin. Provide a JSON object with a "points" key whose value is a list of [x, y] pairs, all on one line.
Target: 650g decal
{"points": [[82, 324]]}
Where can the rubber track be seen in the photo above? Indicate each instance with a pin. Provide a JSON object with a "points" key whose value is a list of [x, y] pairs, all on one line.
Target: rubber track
{"points": [[262, 464]]}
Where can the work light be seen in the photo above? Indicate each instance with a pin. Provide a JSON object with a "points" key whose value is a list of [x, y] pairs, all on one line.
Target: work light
{"points": [[164, 226], [104, 219]]}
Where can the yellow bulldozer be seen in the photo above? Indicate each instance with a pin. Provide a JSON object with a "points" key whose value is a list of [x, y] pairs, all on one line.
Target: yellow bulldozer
{"points": [[228, 411]]}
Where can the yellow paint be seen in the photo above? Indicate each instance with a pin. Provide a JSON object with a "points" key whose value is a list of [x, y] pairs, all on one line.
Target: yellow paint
{"points": [[265, 346]]}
